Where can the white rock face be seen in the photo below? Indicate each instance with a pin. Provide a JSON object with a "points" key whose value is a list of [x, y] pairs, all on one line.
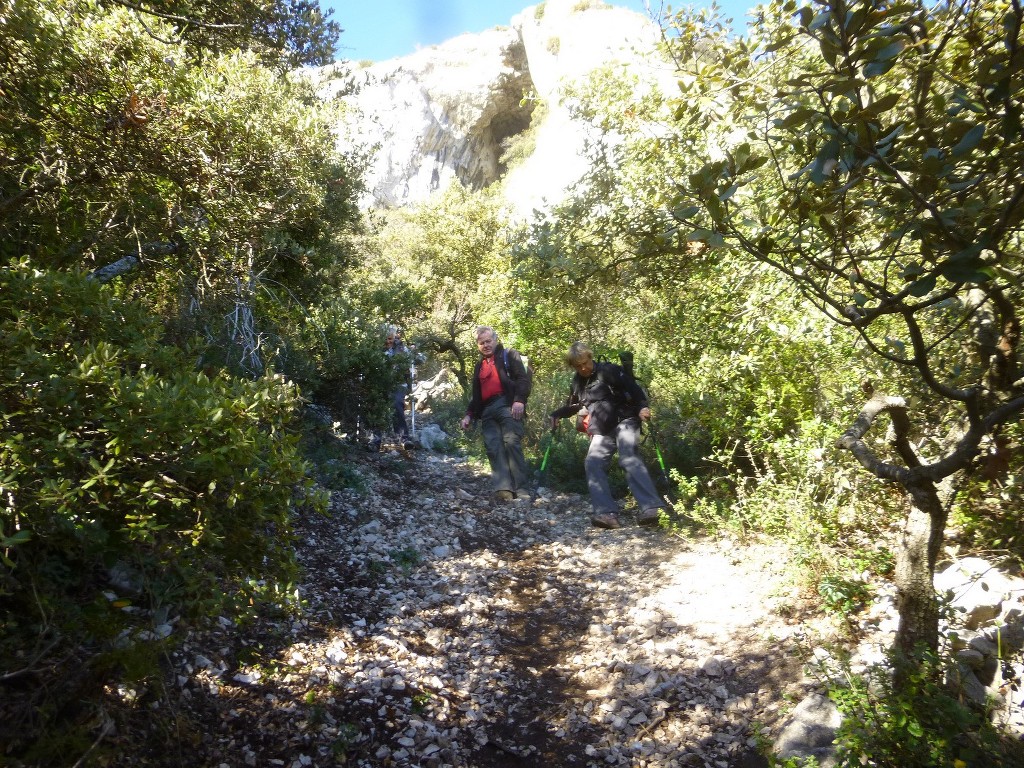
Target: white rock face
{"points": [[563, 47], [443, 113]]}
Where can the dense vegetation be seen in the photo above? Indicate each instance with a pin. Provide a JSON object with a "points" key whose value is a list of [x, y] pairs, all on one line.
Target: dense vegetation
{"points": [[806, 229]]}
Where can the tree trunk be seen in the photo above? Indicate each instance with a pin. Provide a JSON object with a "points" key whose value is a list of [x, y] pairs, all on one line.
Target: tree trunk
{"points": [[923, 532], [916, 600]]}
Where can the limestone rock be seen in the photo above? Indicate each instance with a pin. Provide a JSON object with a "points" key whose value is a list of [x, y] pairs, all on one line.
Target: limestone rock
{"points": [[810, 731], [448, 112], [977, 588]]}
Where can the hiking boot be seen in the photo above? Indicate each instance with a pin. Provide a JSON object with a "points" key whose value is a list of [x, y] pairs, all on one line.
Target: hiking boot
{"points": [[504, 495], [373, 446], [606, 520], [649, 516], [408, 444]]}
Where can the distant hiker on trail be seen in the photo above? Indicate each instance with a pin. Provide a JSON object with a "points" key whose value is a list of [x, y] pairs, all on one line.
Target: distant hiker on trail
{"points": [[395, 349], [501, 386], [614, 405]]}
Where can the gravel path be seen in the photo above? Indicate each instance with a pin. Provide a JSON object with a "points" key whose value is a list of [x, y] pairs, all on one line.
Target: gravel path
{"points": [[443, 629]]}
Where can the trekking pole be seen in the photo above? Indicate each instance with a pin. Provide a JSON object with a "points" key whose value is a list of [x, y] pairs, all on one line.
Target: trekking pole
{"points": [[412, 392], [359, 409], [663, 475], [544, 462]]}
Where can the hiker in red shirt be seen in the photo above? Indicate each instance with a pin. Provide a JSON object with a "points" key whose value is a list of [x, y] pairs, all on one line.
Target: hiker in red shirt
{"points": [[501, 386]]}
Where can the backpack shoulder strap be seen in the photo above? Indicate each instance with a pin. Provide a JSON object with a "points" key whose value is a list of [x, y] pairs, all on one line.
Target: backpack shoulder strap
{"points": [[515, 355]]}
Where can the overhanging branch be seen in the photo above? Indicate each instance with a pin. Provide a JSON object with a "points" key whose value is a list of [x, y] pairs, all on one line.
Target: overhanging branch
{"points": [[915, 472], [131, 261], [852, 440]]}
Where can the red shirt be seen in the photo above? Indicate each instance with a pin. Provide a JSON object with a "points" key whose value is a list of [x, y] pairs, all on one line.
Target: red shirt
{"points": [[490, 384]]}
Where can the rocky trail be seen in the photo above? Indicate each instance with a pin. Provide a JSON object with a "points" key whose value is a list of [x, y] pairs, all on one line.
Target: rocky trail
{"points": [[444, 629]]}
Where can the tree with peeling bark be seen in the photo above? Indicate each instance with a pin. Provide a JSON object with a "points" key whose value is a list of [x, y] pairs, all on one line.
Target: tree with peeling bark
{"points": [[874, 159]]}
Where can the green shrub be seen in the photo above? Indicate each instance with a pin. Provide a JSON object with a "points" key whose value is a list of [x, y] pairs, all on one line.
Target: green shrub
{"points": [[923, 726], [329, 456], [134, 487], [843, 596], [338, 360], [989, 505]]}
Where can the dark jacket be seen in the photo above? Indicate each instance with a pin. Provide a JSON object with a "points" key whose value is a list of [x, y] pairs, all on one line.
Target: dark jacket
{"points": [[609, 394], [515, 381], [402, 359]]}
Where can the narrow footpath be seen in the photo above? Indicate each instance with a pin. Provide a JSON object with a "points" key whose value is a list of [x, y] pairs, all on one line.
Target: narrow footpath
{"points": [[444, 629]]}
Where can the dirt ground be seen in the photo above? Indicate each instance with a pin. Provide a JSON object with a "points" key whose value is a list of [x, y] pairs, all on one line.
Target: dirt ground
{"points": [[441, 628]]}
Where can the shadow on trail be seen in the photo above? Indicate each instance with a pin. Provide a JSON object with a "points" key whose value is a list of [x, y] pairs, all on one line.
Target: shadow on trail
{"points": [[526, 706], [530, 642]]}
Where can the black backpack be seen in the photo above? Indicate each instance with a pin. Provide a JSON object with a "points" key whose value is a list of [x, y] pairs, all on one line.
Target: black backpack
{"points": [[626, 361], [526, 366], [618, 390]]}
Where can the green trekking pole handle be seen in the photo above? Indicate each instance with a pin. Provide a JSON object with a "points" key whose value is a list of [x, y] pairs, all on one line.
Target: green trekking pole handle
{"points": [[547, 452], [657, 452]]}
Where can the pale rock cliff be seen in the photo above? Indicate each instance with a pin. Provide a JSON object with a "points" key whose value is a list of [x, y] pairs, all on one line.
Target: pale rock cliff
{"points": [[446, 112], [564, 45]]}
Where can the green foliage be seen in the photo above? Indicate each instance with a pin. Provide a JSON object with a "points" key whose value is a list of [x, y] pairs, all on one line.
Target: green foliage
{"points": [[989, 506], [898, 218], [520, 146], [441, 270], [886, 212], [338, 358], [843, 596], [448, 413], [285, 34], [219, 175], [923, 725], [406, 558], [587, 5], [135, 487], [328, 455], [564, 469]]}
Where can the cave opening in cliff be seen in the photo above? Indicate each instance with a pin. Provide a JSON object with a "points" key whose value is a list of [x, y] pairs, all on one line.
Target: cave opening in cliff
{"points": [[511, 134]]}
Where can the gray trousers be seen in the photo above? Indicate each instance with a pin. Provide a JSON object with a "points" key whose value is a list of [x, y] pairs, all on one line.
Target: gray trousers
{"points": [[503, 438], [599, 457]]}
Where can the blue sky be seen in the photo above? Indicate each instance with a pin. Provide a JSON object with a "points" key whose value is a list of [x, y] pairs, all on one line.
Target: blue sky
{"points": [[383, 29]]}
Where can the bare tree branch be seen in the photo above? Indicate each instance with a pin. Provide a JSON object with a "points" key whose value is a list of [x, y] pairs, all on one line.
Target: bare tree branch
{"points": [[852, 440]]}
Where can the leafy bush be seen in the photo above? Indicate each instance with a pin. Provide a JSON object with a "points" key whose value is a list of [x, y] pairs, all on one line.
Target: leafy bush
{"points": [[843, 595], [990, 504], [328, 454], [338, 359], [447, 414], [922, 726], [134, 487]]}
